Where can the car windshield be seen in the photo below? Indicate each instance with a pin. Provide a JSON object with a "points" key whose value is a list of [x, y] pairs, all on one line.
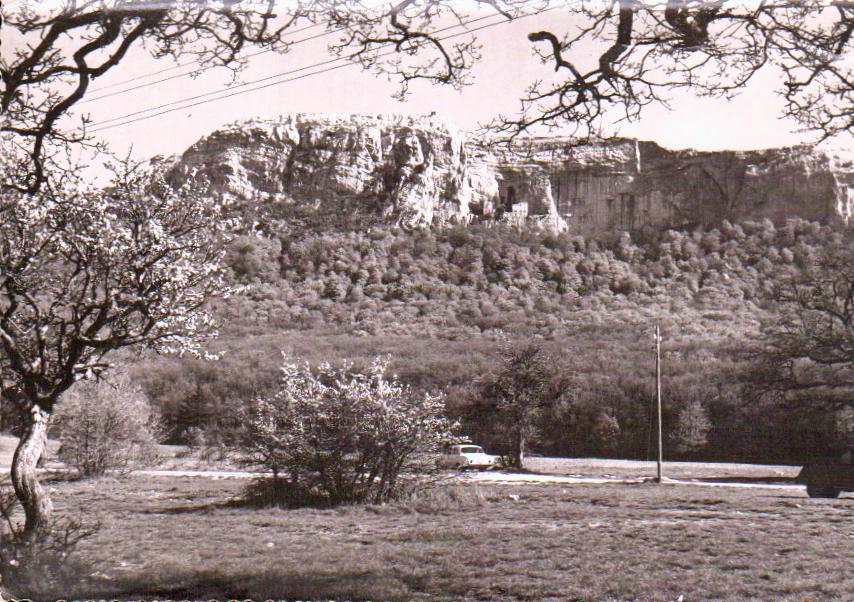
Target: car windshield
{"points": [[471, 449]]}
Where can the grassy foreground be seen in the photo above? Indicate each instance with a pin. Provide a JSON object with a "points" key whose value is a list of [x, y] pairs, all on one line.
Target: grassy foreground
{"points": [[188, 538]]}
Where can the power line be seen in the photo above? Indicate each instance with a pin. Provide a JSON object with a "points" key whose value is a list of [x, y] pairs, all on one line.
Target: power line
{"points": [[97, 125], [214, 92], [200, 70], [100, 127], [180, 65]]}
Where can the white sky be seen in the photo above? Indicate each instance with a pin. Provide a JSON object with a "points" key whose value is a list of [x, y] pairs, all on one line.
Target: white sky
{"points": [[508, 66]]}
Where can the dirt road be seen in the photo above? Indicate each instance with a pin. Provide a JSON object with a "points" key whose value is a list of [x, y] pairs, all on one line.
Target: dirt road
{"points": [[509, 478], [496, 477]]}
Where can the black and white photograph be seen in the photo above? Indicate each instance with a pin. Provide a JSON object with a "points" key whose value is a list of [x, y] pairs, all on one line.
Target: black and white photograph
{"points": [[415, 300]]}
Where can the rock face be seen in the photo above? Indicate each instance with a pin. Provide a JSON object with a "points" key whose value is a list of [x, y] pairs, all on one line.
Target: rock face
{"points": [[420, 171], [415, 169], [627, 184]]}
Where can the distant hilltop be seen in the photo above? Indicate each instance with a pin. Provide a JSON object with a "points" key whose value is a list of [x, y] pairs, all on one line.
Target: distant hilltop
{"points": [[419, 172]]}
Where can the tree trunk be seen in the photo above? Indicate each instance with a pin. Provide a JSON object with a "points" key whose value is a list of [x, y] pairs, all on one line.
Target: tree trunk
{"points": [[519, 450], [34, 499]]}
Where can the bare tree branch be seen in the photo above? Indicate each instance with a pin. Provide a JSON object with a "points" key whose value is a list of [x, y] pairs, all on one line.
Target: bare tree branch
{"points": [[713, 48], [42, 80]]}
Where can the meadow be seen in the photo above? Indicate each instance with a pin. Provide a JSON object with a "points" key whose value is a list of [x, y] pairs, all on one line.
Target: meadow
{"points": [[177, 537], [633, 469], [166, 536], [181, 457]]}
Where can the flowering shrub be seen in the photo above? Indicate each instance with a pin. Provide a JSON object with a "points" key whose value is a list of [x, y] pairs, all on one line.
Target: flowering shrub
{"points": [[332, 436]]}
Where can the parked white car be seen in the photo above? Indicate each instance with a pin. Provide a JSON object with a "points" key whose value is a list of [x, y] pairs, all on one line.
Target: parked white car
{"points": [[465, 456]]}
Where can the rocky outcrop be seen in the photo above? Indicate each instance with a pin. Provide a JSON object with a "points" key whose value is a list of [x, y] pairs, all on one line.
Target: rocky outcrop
{"points": [[421, 171], [627, 184], [416, 170]]}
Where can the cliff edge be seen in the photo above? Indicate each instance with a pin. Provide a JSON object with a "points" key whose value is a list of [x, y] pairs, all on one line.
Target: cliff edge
{"points": [[418, 172]]}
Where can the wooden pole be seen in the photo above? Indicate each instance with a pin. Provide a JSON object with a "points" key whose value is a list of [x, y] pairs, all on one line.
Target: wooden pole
{"points": [[658, 400]]}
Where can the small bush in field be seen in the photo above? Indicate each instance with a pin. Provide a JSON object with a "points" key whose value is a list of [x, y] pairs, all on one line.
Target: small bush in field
{"points": [[40, 565], [333, 436], [443, 498], [106, 426]]}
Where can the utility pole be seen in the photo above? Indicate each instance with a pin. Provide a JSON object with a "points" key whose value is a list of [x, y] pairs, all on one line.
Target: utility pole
{"points": [[658, 399]]}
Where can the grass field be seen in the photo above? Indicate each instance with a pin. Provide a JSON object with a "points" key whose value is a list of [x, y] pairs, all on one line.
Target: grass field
{"points": [[188, 538], [7, 448], [177, 537]]}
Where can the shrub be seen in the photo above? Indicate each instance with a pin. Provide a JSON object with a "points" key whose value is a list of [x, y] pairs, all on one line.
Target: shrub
{"points": [[39, 565], [106, 426], [443, 497], [606, 430], [334, 436]]}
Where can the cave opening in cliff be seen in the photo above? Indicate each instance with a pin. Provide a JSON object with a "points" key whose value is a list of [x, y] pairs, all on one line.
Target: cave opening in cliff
{"points": [[511, 198]]}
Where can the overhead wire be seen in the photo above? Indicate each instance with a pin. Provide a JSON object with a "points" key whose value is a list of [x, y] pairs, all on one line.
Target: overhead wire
{"points": [[187, 63], [215, 92], [202, 69], [100, 126], [283, 74]]}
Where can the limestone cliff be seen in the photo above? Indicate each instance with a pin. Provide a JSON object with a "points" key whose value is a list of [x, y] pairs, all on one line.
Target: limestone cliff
{"points": [[627, 184], [416, 170], [421, 171]]}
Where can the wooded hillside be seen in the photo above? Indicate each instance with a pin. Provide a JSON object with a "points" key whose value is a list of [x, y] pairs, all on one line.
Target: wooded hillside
{"points": [[443, 304]]}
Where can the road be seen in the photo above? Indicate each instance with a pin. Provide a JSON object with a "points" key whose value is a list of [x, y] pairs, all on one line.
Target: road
{"points": [[509, 478], [494, 477]]}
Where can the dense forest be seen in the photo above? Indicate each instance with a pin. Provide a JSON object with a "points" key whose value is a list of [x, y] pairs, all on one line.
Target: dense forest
{"points": [[443, 304]]}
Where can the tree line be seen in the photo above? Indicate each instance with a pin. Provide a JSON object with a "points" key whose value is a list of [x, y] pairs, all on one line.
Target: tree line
{"points": [[445, 303]]}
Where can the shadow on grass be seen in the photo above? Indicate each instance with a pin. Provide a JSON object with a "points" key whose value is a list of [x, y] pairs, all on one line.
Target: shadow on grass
{"points": [[195, 509], [431, 499], [56, 476], [262, 493], [264, 585]]}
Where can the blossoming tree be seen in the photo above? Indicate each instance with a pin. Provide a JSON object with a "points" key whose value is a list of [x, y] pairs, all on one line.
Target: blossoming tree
{"points": [[337, 436], [84, 273]]}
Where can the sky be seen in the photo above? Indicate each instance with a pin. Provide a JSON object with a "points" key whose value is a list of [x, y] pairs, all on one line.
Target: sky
{"points": [[508, 66]]}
